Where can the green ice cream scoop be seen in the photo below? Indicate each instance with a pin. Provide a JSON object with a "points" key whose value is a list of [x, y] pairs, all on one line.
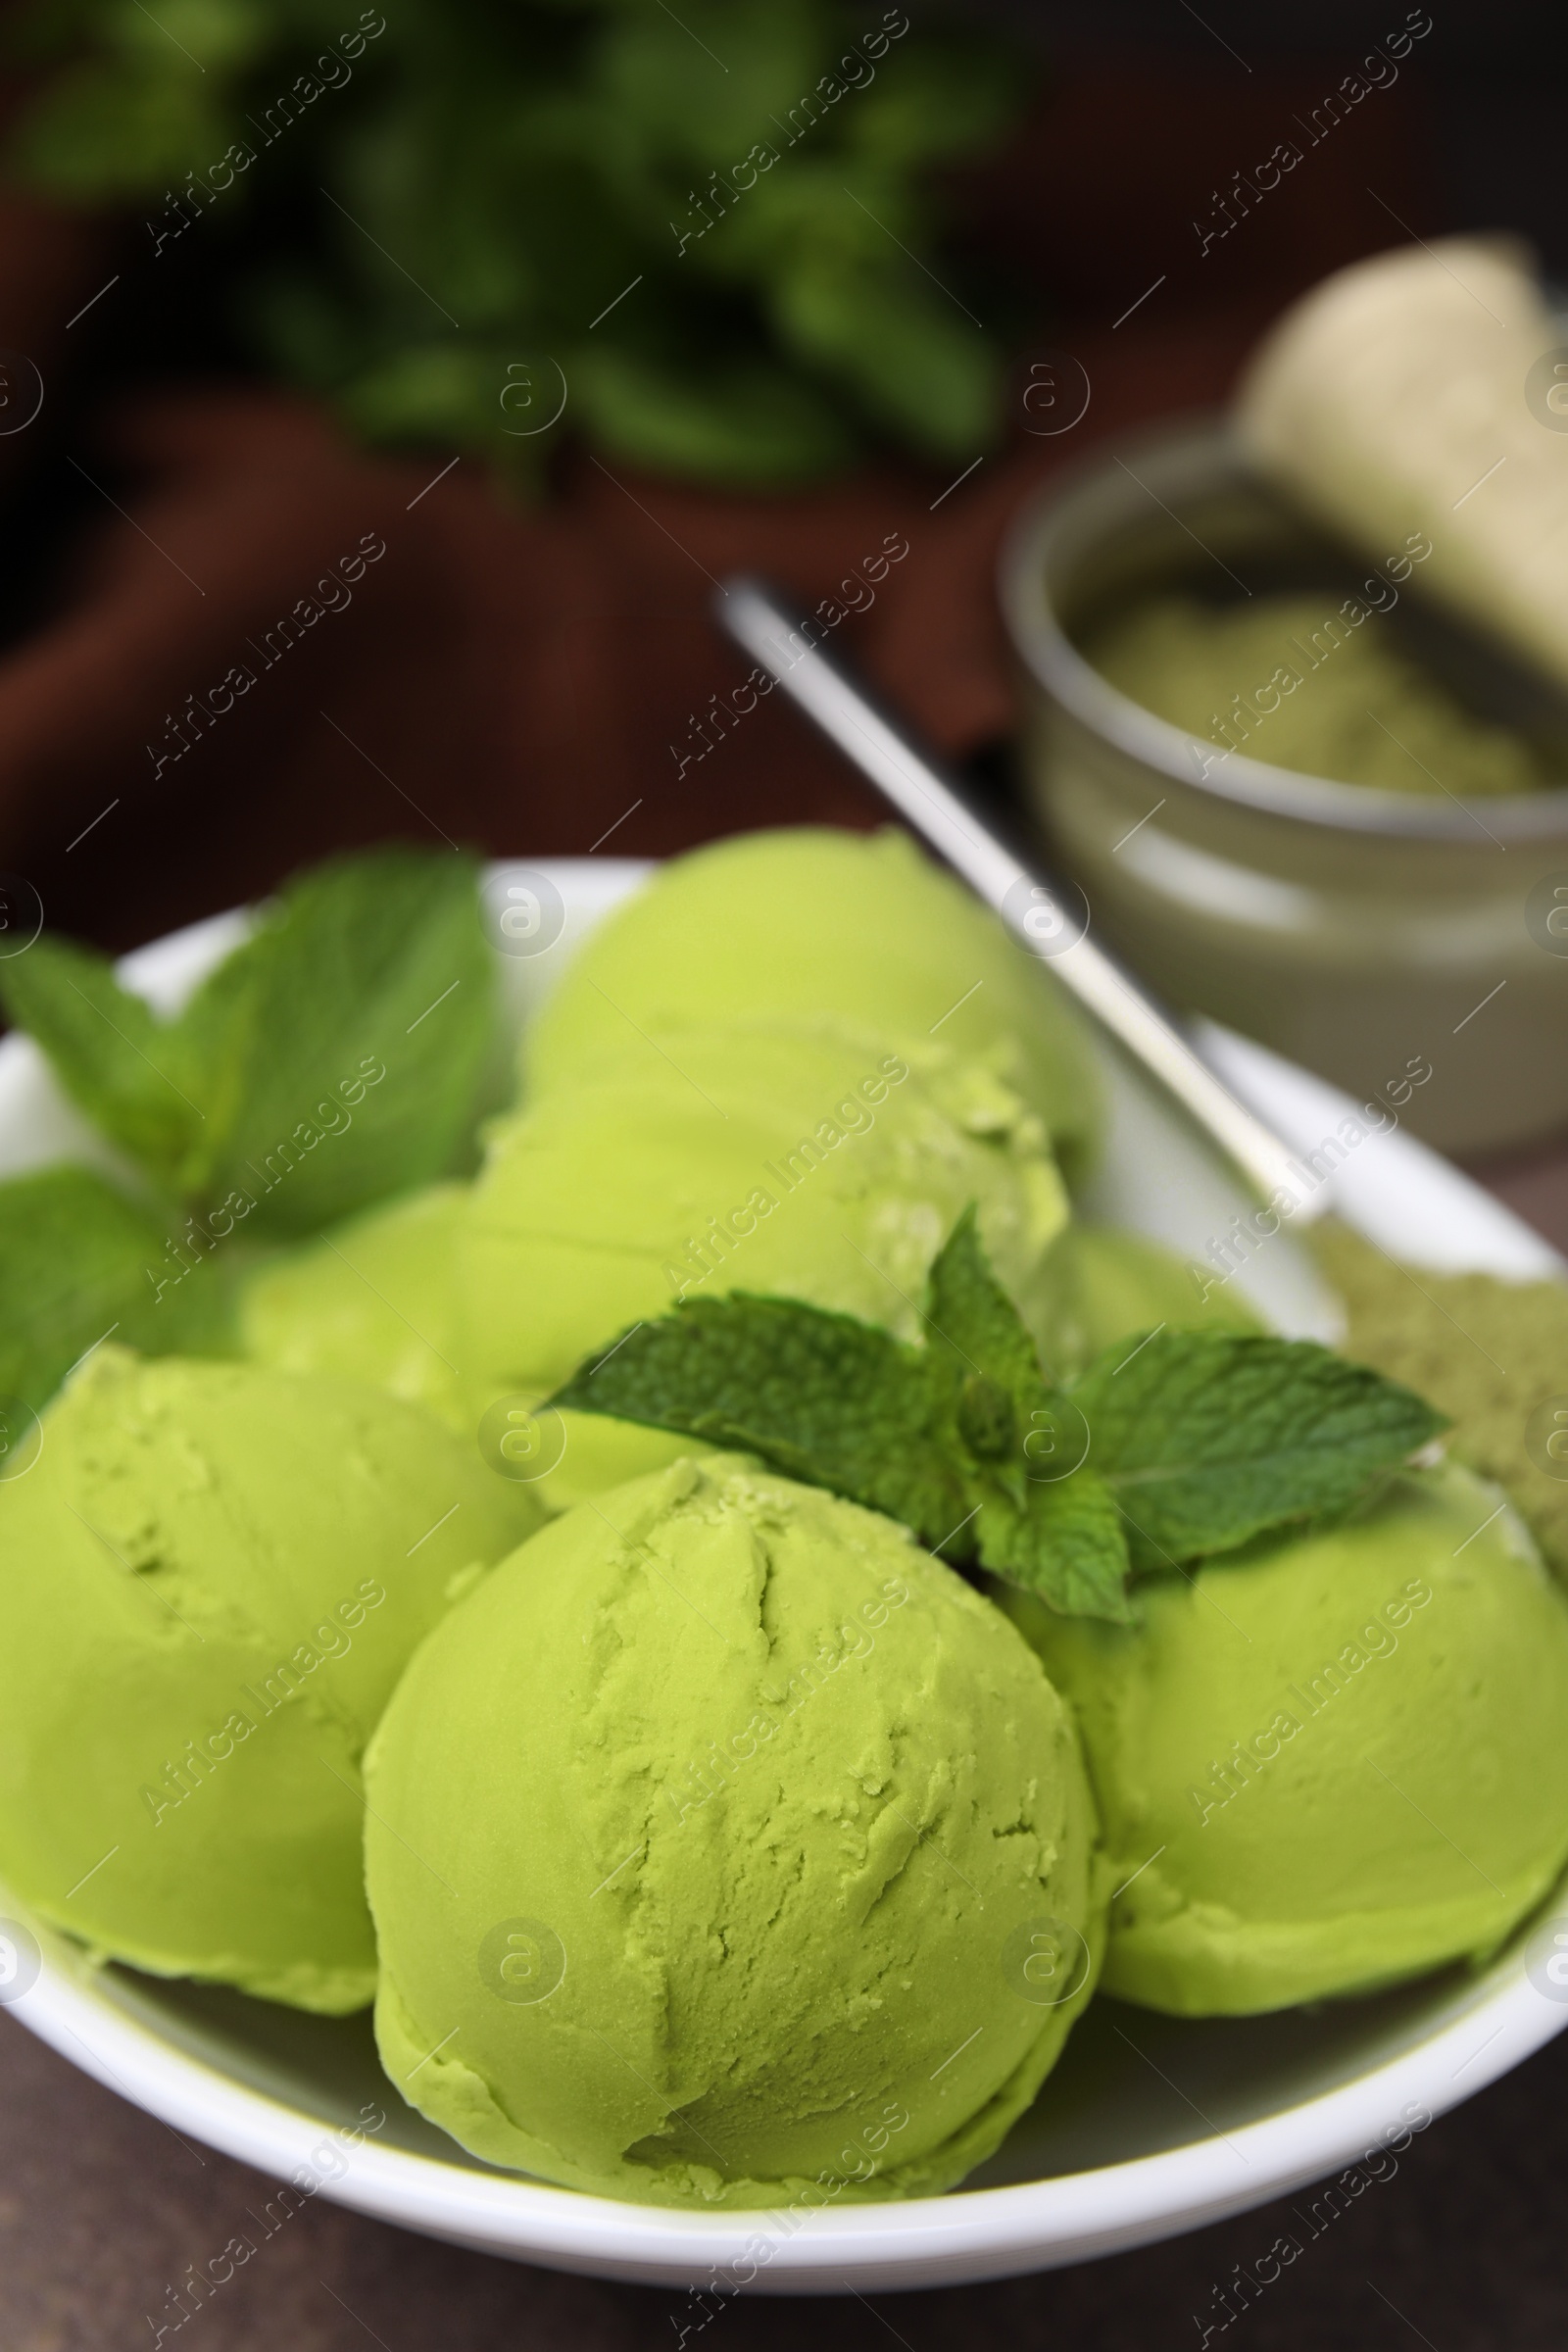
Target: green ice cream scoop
{"points": [[1337, 1763], [783, 924], [1105, 1284], [765, 1855], [210, 1581], [372, 1300], [815, 1162]]}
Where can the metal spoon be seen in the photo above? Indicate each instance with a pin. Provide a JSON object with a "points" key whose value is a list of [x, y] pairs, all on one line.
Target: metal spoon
{"points": [[1040, 913]]}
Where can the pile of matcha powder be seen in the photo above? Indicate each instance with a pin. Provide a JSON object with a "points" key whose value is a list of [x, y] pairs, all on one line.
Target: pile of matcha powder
{"points": [[1328, 691], [1488, 1353]]}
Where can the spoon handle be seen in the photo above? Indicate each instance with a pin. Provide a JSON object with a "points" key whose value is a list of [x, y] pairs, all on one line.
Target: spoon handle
{"points": [[1041, 917]]}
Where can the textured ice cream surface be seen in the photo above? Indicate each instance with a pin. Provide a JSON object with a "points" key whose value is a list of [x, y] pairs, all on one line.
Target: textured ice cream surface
{"points": [[1337, 1763], [765, 1855], [789, 922], [210, 1581], [372, 1300], [810, 1160]]}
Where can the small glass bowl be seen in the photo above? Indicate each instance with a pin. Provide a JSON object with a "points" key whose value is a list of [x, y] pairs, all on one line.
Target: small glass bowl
{"points": [[1379, 937]]}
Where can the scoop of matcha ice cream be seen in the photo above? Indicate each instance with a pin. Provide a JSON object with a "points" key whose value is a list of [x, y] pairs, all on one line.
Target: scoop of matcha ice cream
{"points": [[765, 1849], [210, 1581], [1104, 1283], [371, 1300], [814, 1162], [1334, 1764], [786, 923]]}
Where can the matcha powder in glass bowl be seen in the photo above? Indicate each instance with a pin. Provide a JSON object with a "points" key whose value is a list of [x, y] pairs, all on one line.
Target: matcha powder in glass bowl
{"points": [[1298, 682]]}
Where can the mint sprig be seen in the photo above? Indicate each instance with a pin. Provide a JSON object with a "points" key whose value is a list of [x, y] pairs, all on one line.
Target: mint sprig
{"points": [[330, 1061], [1183, 1447]]}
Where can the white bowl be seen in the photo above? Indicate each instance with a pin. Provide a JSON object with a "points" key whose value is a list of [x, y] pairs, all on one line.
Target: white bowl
{"points": [[1148, 2126]]}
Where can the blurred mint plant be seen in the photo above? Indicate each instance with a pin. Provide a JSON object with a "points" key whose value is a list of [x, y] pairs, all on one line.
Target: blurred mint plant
{"points": [[700, 238]]}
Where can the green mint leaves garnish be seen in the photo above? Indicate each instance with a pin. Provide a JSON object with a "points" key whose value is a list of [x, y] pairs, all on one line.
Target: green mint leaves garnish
{"points": [[331, 1060], [111, 1054], [74, 1255], [1208, 1442], [1172, 1450], [523, 164], [831, 1401]]}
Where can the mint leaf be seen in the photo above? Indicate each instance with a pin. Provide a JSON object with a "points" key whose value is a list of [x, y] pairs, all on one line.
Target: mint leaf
{"points": [[1059, 1536], [343, 1042], [79, 1263], [1207, 1441], [969, 1314], [331, 1060], [825, 1398], [1067, 1543], [114, 1057]]}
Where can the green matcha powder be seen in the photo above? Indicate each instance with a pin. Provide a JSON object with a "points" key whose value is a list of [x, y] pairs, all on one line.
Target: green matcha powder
{"points": [[1484, 1352], [1299, 682]]}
